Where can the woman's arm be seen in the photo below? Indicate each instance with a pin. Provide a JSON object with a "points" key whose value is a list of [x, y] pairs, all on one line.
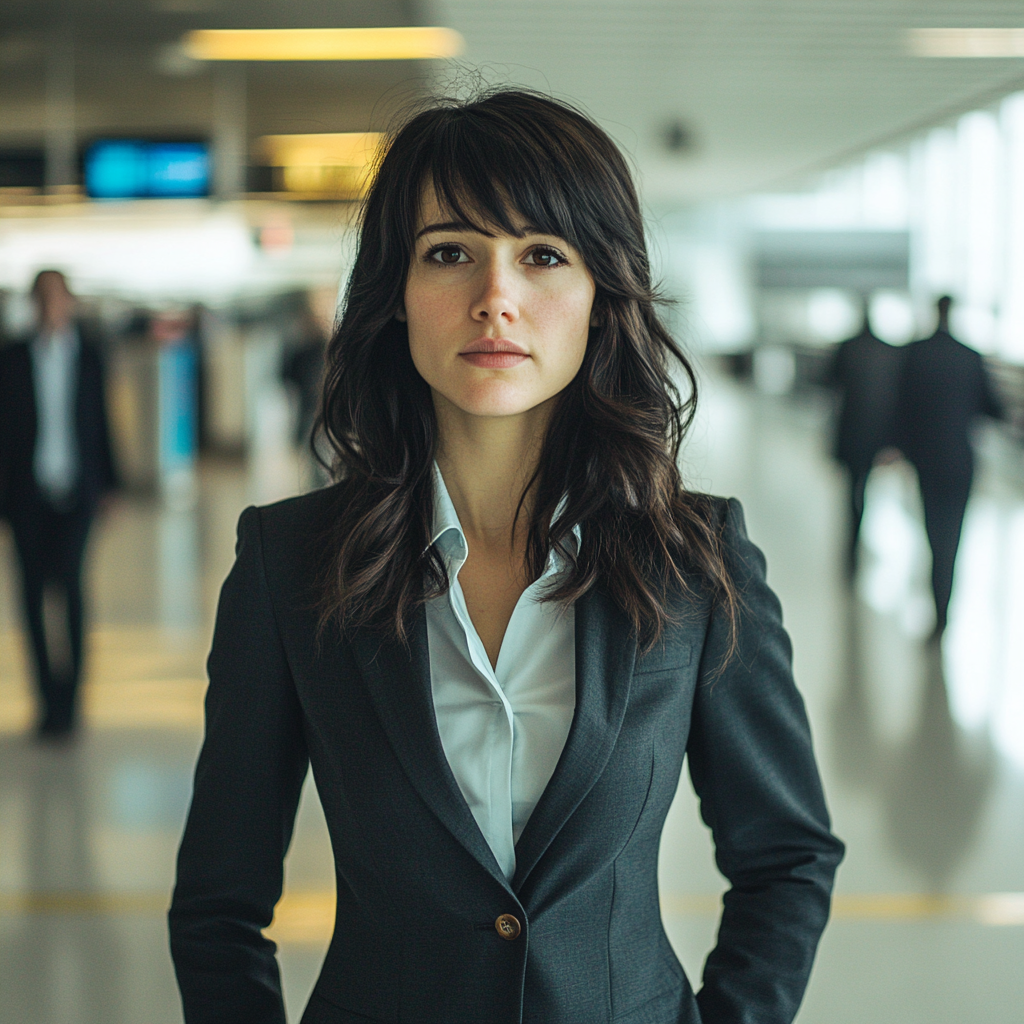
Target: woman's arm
{"points": [[247, 787], [753, 768]]}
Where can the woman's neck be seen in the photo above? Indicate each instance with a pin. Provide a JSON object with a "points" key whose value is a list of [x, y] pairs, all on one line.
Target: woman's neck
{"points": [[486, 463]]}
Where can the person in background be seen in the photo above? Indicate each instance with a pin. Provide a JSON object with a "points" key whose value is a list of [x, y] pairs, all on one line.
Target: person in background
{"points": [[303, 367], [865, 373], [943, 388], [55, 464]]}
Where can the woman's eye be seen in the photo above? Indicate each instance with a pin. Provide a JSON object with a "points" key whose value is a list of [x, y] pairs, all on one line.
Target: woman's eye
{"points": [[545, 258], [449, 255]]}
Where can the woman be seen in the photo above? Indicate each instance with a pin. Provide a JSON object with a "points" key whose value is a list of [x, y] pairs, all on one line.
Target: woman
{"points": [[497, 636]]}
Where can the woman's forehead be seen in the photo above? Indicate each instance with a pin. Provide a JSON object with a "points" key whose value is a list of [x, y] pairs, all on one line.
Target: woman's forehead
{"points": [[468, 214]]}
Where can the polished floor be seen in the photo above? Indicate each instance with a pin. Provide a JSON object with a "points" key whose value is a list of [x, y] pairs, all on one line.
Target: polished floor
{"points": [[921, 746]]}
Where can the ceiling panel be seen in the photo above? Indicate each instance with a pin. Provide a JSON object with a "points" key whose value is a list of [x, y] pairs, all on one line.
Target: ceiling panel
{"points": [[768, 89], [130, 77]]}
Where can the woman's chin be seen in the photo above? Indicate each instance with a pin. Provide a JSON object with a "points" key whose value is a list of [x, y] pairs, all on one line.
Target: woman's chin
{"points": [[495, 400], [495, 410]]}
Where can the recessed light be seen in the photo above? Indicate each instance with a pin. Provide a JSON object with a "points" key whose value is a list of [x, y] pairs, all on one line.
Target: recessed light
{"points": [[411, 43], [330, 163], [341, 149], [966, 42]]}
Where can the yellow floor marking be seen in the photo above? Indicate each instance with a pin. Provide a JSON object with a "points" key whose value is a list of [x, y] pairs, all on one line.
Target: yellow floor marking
{"points": [[997, 908], [124, 704], [303, 919], [137, 677], [85, 903], [307, 917]]}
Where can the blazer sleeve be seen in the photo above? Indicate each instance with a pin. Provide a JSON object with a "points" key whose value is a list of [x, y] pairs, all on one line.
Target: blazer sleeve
{"points": [[989, 401], [753, 769], [109, 477], [834, 373], [247, 785], [102, 468]]}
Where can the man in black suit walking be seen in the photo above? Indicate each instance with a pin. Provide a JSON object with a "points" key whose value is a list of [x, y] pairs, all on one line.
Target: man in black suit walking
{"points": [[865, 372], [944, 387], [55, 464]]}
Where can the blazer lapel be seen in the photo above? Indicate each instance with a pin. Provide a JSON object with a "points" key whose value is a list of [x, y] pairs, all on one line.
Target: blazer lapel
{"points": [[605, 652], [398, 680]]}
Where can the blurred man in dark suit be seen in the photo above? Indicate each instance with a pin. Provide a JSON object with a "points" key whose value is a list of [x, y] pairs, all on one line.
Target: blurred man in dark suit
{"points": [[865, 372], [55, 464], [944, 387]]}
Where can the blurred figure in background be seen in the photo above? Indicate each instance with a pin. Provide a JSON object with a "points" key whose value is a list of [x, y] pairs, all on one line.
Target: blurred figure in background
{"points": [[944, 387], [302, 369], [303, 366], [865, 372], [55, 464]]}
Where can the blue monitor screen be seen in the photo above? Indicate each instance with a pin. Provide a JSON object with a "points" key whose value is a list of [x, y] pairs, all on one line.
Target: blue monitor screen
{"points": [[178, 169], [116, 170], [133, 169]]}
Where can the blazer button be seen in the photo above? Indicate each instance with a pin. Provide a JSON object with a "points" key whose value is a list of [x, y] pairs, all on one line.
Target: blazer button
{"points": [[508, 927]]}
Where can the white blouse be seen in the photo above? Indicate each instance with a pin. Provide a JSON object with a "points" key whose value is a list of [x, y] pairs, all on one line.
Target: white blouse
{"points": [[502, 728]]}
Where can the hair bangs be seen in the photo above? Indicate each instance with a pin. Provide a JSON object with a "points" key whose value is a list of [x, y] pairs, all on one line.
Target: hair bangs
{"points": [[490, 181]]}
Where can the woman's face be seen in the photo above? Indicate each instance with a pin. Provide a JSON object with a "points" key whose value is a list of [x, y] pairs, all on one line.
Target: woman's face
{"points": [[498, 324]]}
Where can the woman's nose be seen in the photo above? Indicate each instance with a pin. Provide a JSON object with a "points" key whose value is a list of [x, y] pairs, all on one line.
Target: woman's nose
{"points": [[496, 301]]}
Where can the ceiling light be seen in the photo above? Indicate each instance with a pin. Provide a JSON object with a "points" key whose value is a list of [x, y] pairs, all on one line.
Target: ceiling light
{"points": [[335, 149], [966, 42], [413, 43], [328, 165]]}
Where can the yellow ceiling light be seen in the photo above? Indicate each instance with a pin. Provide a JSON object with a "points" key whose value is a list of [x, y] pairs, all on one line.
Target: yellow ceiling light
{"points": [[323, 164], [412, 43], [967, 42], [334, 149]]}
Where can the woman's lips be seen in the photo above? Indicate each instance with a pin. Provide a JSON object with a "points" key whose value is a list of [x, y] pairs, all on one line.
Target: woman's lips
{"points": [[494, 360], [494, 353]]}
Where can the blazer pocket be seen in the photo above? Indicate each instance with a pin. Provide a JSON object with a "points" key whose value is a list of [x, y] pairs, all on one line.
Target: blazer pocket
{"points": [[664, 658]]}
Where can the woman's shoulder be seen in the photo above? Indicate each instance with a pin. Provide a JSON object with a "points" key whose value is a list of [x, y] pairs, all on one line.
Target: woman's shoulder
{"points": [[299, 513], [713, 507], [293, 535], [730, 522], [724, 522], [721, 516]]}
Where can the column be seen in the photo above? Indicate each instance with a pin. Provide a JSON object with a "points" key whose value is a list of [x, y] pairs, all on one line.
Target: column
{"points": [[230, 150], [60, 144]]}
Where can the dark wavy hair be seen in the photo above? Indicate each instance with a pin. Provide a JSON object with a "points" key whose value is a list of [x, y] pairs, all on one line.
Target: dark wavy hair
{"points": [[612, 444]]}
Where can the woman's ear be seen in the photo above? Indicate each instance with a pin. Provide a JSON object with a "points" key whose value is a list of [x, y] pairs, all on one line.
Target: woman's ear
{"points": [[595, 320], [400, 314]]}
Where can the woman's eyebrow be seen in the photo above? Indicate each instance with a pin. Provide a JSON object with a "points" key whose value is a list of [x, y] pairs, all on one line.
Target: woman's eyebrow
{"points": [[459, 225], [452, 225]]}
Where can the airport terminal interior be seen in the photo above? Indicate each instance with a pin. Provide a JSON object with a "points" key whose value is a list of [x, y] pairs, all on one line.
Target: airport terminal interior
{"points": [[798, 164]]}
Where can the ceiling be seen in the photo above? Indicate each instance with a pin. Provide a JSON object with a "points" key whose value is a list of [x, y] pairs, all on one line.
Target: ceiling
{"points": [[768, 90], [130, 76], [758, 93]]}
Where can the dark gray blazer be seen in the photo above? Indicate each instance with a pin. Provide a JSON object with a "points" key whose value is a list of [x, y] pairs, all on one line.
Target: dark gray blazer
{"points": [[944, 388], [866, 372], [19, 493], [418, 890]]}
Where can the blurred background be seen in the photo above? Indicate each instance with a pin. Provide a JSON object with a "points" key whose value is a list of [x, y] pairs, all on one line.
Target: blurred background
{"points": [[799, 163]]}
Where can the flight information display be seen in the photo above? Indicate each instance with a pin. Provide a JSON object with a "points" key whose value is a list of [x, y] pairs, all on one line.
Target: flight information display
{"points": [[137, 169]]}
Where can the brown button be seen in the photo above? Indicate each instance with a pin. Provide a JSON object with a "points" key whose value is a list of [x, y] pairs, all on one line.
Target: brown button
{"points": [[507, 927]]}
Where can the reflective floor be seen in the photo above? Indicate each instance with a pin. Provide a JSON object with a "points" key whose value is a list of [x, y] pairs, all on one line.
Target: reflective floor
{"points": [[921, 747]]}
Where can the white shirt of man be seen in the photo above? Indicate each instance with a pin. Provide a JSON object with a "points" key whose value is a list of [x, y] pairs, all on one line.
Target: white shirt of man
{"points": [[55, 378]]}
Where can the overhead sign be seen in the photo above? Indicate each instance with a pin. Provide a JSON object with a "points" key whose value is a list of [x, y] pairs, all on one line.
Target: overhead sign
{"points": [[136, 169]]}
